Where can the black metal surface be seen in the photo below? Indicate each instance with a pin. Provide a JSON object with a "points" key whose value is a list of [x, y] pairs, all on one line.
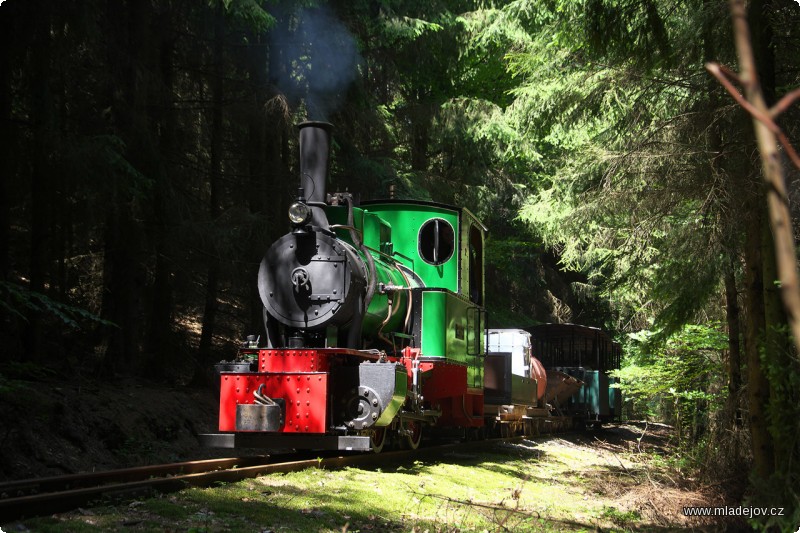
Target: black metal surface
{"points": [[497, 378], [362, 393], [574, 345], [315, 143], [273, 442], [233, 366], [311, 281]]}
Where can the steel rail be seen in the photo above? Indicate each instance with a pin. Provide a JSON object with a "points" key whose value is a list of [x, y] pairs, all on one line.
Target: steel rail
{"points": [[38, 496], [25, 487], [119, 485]]}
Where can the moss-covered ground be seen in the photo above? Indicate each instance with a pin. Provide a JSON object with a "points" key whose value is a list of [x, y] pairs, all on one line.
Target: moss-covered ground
{"points": [[605, 481]]}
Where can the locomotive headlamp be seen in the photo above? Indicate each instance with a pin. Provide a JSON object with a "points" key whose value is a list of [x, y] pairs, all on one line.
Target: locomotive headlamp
{"points": [[299, 213]]}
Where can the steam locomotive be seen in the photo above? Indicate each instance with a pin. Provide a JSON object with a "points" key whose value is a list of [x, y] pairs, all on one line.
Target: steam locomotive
{"points": [[375, 332]]}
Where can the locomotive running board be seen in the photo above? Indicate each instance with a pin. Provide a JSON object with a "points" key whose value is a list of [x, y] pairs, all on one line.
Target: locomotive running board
{"points": [[275, 442]]}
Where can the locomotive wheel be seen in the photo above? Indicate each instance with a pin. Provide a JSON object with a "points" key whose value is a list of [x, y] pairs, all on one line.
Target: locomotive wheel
{"points": [[378, 439], [475, 434], [414, 427]]}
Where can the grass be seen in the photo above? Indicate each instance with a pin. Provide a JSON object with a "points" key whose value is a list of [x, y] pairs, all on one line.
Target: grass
{"points": [[546, 485]]}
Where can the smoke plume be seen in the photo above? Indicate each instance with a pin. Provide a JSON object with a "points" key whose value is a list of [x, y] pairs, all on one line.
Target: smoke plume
{"points": [[319, 59]]}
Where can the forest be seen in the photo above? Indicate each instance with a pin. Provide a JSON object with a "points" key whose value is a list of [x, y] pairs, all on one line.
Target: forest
{"points": [[149, 154]]}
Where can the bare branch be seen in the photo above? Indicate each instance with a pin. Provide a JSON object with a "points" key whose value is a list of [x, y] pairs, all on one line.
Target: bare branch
{"points": [[784, 103], [722, 73], [768, 135]]}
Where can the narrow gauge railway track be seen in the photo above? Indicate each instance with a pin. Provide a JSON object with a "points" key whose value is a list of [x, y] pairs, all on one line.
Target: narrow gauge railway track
{"points": [[38, 497]]}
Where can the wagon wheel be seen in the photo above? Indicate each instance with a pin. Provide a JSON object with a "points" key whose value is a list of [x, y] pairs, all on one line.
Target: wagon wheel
{"points": [[414, 436], [378, 439], [528, 428]]}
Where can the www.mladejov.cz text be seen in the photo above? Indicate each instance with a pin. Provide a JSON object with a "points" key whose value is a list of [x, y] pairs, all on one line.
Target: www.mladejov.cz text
{"points": [[747, 512]]}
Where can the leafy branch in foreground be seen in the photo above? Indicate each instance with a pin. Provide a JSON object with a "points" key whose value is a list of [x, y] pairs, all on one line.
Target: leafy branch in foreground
{"points": [[18, 301]]}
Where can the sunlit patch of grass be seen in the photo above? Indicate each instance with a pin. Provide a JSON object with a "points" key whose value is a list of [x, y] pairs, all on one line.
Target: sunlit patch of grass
{"points": [[548, 485], [470, 497], [168, 508]]}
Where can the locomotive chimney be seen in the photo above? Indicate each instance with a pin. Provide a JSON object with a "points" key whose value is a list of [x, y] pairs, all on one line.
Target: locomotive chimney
{"points": [[315, 147]]}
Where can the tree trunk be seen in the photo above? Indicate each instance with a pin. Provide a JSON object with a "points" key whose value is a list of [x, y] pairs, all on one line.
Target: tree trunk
{"points": [[757, 385], [123, 275], [122, 282], [265, 177], [215, 179], [6, 151], [734, 346], [778, 365], [749, 50], [160, 344], [714, 140], [40, 184]]}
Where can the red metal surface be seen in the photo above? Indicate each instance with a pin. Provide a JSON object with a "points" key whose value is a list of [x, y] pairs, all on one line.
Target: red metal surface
{"points": [[561, 386], [444, 386], [540, 375], [299, 377], [305, 360], [465, 410], [444, 380], [409, 354], [292, 361], [305, 395]]}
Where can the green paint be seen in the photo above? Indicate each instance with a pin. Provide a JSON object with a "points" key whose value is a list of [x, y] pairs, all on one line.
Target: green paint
{"points": [[452, 326], [449, 322], [376, 233], [434, 317], [590, 392], [405, 221], [398, 398]]}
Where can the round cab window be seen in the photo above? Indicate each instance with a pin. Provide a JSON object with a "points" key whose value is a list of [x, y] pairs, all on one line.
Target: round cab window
{"points": [[436, 241]]}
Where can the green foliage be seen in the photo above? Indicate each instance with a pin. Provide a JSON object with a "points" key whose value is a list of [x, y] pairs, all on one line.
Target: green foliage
{"points": [[623, 191], [677, 378], [510, 263], [621, 518], [403, 28], [18, 301], [102, 170], [782, 369], [251, 13]]}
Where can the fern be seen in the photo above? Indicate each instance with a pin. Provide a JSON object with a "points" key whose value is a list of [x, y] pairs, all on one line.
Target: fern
{"points": [[18, 302]]}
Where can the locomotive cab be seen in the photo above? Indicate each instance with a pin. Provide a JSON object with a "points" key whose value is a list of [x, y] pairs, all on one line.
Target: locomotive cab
{"points": [[443, 246]]}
